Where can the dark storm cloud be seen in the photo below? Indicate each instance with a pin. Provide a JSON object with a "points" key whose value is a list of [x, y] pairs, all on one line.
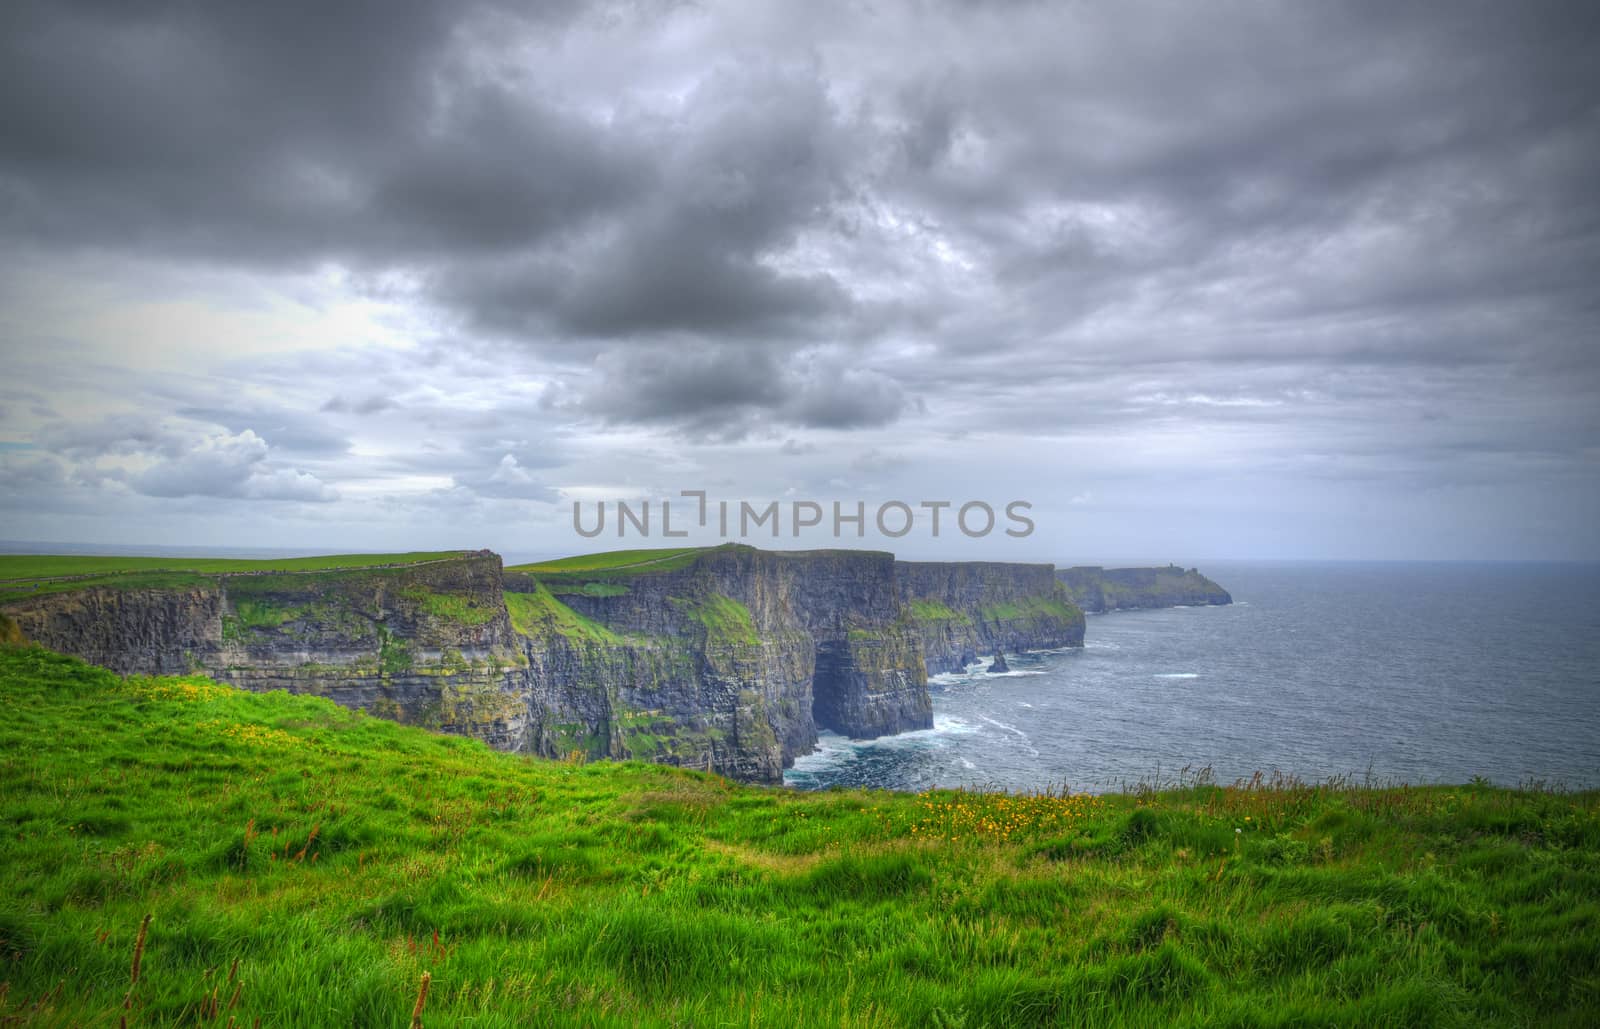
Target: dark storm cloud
{"points": [[375, 135], [829, 393], [756, 155], [1223, 215], [729, 390], [279, 132], [1270, 166], [683, 383]]}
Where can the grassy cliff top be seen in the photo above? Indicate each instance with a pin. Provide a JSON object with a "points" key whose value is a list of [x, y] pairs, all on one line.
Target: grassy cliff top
{"points": [[623, 561], [317, 862], [47, 566], [28, 575], [641, 562]]}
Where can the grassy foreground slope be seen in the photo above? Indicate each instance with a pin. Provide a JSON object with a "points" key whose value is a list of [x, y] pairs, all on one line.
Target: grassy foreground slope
{"points": [[306, 865]]}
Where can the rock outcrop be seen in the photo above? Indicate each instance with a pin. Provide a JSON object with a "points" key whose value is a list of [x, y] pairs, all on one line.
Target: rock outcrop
{"points": [[10, 634], [1097, 590], [998, 665], [729, 658]]}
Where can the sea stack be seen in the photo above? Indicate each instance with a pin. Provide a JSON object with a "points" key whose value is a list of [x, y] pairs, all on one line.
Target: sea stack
{"points": [[999, 663]]}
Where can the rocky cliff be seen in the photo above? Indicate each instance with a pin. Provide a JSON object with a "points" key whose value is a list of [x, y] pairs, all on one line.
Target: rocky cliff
{"points": [[1097, 590], [964, 609], [729, 658], [429, 643]]}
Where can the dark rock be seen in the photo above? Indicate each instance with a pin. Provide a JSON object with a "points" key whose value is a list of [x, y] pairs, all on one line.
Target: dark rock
{"points": [[999, 664]]}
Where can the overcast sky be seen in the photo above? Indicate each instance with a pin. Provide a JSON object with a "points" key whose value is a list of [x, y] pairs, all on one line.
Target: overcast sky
{"points": [[1195, 280]]}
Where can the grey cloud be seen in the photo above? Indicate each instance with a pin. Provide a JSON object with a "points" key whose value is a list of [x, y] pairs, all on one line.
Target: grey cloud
{"points": [[189, 105], [370, 404], [756, 156], [514, 206], [23, 473], [115, 434], [684, 384], [284, 429], [219, 150], [731, 390], [1210, 176], [830, 394], [491, 448], [1245, 164], [878, 462], [1349, 242]]}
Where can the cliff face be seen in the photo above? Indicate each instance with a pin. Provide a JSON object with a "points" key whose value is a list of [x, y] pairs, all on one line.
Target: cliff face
{"points": [[731, 662], [729, 659], [429, 644], [1097, 590], [965, 609]]}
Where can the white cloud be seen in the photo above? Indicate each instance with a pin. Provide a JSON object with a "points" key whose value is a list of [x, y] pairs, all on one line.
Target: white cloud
{"points": [[230, 465]]}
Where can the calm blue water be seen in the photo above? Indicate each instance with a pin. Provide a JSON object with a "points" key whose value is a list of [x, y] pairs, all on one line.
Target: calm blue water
{"points": [[1413, 672]]}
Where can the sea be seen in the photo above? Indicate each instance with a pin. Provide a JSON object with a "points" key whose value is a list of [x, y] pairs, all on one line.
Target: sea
{"points": [[1372, 672]]}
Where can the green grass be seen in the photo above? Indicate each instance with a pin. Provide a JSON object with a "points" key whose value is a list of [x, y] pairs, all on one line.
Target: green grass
{"points": [[725, 619], [29, 575], [658, 560], [603, 589], [564, 585], [540, 614], [336, 857], [450, 606], [43, 566], [933, 611], [256, 614], [22, 589], [394, 654], [1033, 607]]}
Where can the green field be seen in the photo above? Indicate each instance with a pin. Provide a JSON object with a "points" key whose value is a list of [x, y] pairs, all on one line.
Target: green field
{"points": [[657, 560], [47, 566], [23, 576], [539, 614], [306, 865]]}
